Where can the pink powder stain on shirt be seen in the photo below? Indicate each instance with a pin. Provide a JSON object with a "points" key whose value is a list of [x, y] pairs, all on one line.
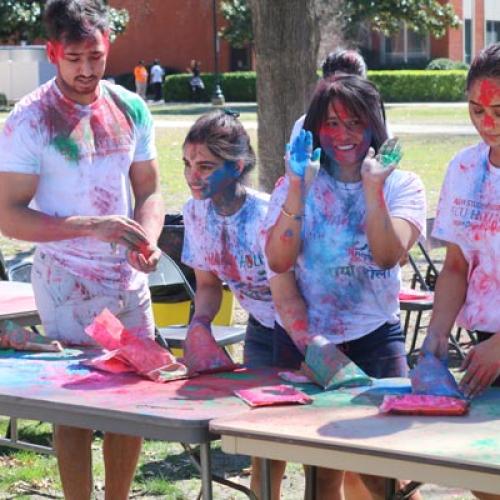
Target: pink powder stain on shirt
{"points": [[104, 201], [231, 265]]}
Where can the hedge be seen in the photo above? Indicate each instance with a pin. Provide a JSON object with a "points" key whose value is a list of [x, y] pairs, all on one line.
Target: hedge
{"points": [[420, 86], [395, 86], [238, 86]]}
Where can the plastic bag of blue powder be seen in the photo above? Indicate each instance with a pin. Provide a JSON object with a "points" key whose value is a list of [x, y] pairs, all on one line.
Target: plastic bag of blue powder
{"points": [[432, 377]]}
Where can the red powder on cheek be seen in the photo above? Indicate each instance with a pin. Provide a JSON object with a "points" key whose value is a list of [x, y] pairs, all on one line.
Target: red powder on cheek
{"points": [[488, 121]]}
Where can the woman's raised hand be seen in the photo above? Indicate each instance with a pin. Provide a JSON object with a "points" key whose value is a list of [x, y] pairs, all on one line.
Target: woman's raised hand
{"points": [[300, 157], [374, 173]]}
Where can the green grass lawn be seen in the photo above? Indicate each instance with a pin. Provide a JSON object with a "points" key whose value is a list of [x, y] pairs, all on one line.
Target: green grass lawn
{"points": [[427, 115], [455, 114], [165, 470]]}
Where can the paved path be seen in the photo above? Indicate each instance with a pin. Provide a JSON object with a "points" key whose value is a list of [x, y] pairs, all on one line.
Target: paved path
{"points": [[395, 128]]}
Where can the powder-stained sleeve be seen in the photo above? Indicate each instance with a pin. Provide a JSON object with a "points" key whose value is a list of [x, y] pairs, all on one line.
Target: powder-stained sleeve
{"points": [[146, 147], [406, 199], [20, 144]]}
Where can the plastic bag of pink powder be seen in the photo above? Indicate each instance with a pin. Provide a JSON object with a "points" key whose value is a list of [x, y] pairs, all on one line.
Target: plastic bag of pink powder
{"points": [[106, 330], [129, 352], [418, 404], [273, 395]]}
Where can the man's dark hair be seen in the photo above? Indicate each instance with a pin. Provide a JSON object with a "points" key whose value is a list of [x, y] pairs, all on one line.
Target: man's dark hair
{"points": [[358, 95], [74, 20], [485, 65], [344, 61]]}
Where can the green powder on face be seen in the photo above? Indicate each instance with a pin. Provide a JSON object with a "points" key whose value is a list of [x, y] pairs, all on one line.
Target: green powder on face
{"points": [[67, 147]]}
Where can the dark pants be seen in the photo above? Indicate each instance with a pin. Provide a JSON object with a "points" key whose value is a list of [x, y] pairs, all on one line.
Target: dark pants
{"points": [[481, 337], [380, 354], [258, 349], [157, 91]]}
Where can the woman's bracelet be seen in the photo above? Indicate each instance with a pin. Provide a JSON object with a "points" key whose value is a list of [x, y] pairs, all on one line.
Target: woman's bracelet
{"points": [[288, 214]]}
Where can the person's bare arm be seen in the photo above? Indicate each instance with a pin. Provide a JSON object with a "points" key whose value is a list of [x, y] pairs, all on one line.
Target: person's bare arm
{"points": [[451, 288], [291, 308], [208, 296], [149, 212], [18, 220], [389, 238], [284, 239]]}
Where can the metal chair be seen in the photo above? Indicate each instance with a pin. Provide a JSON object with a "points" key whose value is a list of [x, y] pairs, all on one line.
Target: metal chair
{"points": [[169, 281], [424, 278]]}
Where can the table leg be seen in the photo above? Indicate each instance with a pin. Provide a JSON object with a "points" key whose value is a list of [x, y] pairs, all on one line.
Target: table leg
{"points": [[310, 474], [206, 471], [265, 486], [390, 488]]}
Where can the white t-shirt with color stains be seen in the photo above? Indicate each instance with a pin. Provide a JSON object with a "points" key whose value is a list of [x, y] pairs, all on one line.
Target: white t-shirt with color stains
{"points": [[229, 247], [346, 293], [82, 155], [469, 216]]}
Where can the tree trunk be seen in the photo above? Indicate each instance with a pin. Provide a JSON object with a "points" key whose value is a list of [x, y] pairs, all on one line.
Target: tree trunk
{"points": [[286, 37]]}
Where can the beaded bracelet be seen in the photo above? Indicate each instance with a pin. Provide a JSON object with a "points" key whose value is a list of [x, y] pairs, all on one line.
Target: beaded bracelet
{"points": [[288, 214]]}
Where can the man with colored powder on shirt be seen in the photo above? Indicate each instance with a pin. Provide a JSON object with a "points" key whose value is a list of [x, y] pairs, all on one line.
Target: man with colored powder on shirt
{"points": [[71, 155]]}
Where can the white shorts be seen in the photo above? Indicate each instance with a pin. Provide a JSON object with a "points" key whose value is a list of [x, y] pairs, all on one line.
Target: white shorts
{"points": [[67, 303]]}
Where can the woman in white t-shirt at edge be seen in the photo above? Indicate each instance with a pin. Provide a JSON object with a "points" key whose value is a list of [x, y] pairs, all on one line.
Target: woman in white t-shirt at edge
{"points": [[468, 218], [345, 235]]}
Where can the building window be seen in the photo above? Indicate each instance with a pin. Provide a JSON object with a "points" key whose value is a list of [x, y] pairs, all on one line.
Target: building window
{"points": [[406, 45], [241, 59], [492, 32], [467, 41]]}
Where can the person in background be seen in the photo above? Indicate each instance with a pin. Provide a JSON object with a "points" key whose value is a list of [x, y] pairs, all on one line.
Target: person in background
{"points": [[73, 155], [339, 61], [157, 76], [141, 79], [345, 235], [196, 83]]}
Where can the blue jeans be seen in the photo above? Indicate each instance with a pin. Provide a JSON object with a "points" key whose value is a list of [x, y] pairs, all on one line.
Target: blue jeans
{"points": [[258, 349], [380, 354]]}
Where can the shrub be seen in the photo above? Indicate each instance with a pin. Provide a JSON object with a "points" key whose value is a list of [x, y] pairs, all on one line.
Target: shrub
{"points": [[395, 86], [238, 86], [444, 64], [420, 86], [3, 100]]}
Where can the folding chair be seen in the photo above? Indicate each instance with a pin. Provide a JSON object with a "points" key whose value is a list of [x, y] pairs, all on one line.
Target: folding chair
{"points": [[169, 276], [423, 280]]}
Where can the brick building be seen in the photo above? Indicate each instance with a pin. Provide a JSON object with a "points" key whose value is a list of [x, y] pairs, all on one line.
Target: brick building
{"points": [[480, 27], [176, 31]]}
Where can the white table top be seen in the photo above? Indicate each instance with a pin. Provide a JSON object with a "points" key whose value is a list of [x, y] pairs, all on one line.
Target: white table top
{"points": [[17, 303], [344, 429]]}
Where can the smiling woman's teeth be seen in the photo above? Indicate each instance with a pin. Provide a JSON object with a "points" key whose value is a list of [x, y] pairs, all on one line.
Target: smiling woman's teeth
{"points": [[348, 147]]}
